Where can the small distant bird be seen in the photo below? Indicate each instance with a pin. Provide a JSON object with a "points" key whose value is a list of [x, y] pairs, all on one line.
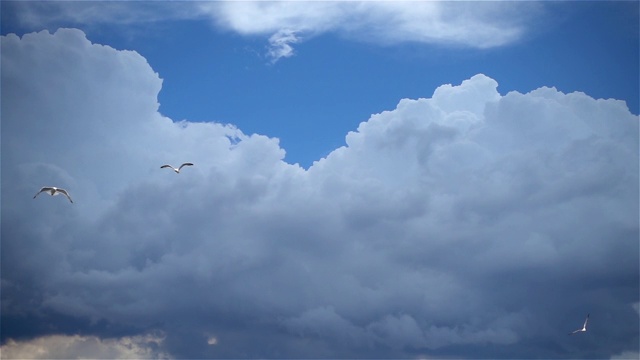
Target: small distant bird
{"points": [[584, 327], [174, 169], [54, 191]]}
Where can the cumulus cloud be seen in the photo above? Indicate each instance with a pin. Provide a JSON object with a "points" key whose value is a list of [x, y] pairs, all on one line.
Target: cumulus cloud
{"points": [[469, 223], [476, 25]]}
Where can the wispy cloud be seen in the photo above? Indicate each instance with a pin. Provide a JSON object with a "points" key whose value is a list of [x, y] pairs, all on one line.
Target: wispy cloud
{"points": [[477, 25], [39, 14], [280, 45], [468, 24]]}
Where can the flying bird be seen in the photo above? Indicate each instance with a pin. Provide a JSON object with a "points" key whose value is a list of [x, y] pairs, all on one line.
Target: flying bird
{"points": [[54, 191], [584, 327], [174, 169]]}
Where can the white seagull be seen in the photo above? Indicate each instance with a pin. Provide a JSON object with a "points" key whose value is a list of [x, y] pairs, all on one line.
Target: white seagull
{"points": [[54, 191], [174, 169], [584, 327]]}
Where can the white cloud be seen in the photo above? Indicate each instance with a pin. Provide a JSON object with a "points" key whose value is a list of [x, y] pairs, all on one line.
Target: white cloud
{"points": [[469, 24], [280, 45], [212, 340], [85, 347], [429, 231], [477, 25]]}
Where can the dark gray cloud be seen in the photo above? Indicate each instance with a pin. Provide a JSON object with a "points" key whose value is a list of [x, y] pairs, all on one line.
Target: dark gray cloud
{"points": [[468, 224]]}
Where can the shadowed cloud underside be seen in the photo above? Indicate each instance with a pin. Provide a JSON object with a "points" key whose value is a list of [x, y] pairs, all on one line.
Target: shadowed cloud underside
{"points": [[427, 234]]}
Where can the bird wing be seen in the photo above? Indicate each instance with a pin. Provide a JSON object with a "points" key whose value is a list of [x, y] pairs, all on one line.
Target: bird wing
{"points": [[185, 164], [166, 166], [65, 193], [575, 331], [41, 190], [585, 322]]}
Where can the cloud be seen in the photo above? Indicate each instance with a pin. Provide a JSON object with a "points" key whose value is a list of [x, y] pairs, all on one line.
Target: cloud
{"points": [[211, 340], [466, 224], [627, 355], [477, 25], [83, 347], [55, 14], [279, 45], [634, 354]]}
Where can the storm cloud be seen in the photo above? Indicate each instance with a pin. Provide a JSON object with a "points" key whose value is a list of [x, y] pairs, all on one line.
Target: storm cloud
{"points": [[467, 224]]}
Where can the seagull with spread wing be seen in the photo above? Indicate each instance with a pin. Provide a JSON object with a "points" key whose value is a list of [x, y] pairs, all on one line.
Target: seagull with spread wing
{"points": [[52, 190], [178, 169], [584, 327]]}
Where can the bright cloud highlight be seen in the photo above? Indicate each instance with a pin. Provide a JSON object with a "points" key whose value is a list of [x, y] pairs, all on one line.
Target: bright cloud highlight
{"points": [[476, 25], [382, 22], [85, 347]]}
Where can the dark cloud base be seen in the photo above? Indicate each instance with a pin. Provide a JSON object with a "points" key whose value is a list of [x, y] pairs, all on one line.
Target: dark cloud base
{"points": [[47, 322]]}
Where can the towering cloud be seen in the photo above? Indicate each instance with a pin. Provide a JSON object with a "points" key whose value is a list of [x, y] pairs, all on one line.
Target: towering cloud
{"points": [[469, 223]]}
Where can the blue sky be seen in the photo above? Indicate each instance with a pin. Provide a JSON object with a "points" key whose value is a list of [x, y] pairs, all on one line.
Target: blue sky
{"points": [[371, 179]]}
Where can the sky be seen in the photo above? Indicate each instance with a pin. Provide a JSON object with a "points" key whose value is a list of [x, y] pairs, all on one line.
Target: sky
{"points": [[371, 179]]}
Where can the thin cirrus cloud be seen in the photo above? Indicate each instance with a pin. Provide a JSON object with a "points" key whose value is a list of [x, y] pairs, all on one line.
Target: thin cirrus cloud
{"points": [[477, 25], [465, 224], [382, 22]]}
